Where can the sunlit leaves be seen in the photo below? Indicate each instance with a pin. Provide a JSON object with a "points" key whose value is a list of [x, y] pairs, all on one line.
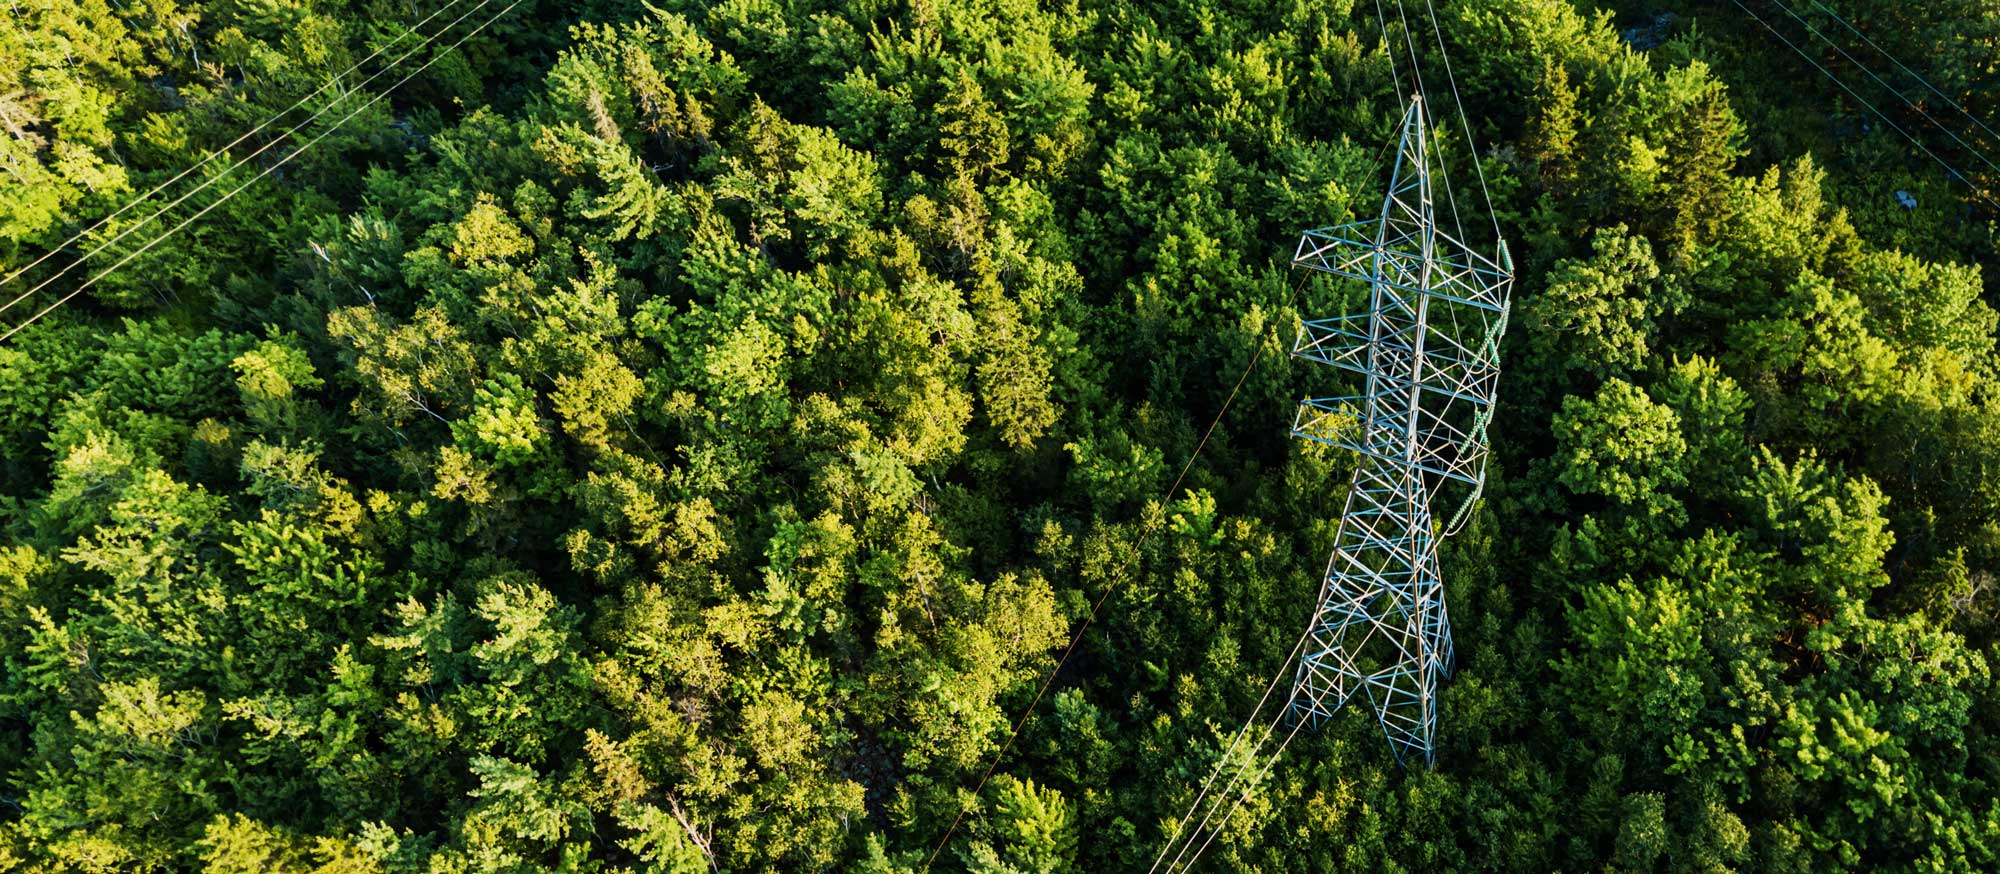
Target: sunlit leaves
{"points": [[1608, 306], [1622, 445]]}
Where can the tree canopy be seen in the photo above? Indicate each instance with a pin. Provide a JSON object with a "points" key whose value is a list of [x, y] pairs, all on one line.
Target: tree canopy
{"points": [[682, 436]]}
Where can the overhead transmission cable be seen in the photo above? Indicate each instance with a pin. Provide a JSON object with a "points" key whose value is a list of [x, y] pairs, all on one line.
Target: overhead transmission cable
{"points": [[1914, 74], [372, 100], [1886, 86], [1864, 102], [1464, 121], [1243, 796], [1249, 767], [234, 166], [1251, 756], [1180, 825], [224, 149], [1423, 92], [1182, 860], [1077, 638], [1389, 49]]}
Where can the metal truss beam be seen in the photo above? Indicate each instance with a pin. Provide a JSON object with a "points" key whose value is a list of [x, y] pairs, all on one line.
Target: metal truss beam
{"points": [[1428, 353]]}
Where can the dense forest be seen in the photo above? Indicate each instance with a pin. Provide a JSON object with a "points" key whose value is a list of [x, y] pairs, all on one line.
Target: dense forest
{"points": [[682, 436]]}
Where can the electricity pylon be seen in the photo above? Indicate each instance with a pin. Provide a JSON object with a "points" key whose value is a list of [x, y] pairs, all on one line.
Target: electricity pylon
{"points": [[1428, 349]]}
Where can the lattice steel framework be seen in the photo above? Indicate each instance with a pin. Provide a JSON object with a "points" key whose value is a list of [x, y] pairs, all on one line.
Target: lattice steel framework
{"points": [[1428, 352]]}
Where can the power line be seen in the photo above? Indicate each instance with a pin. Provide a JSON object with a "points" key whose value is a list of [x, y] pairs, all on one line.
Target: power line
{"points": [[1389, 49], [1464, 122], [1423, 91], [1255, 751], [1864, 102], [1182, 861], [266, 172], [1918, 76], [1216, 771], [1886, 86], [1243, 732], [1077, 638], [232, 167], [1251, 756], [224, 150], [1245, 795]]}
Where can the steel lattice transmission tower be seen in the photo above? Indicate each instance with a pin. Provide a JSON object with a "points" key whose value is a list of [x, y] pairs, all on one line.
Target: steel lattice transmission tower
{"points": [[1427, 352]]}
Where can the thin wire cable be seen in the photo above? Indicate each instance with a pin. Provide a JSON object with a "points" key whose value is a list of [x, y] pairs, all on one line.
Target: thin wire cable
{"points": [[1247, 793], [1887, 87], [1316, 703], [1918, 76], [1864, 102], [1317, 700], [266, 172], [1451, 199], [240, 161], [1255, 754], [1077, 638], [1389, 48], [1255, 751], [232, 144], [1466, 122], [1241, 733]]}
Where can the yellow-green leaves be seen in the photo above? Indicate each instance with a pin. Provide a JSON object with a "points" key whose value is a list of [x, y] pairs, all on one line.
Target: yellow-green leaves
{"points": [[1622, 445]]}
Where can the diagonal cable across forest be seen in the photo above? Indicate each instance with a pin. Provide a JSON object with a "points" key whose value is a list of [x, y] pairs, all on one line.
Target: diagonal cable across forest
{"points": [[267, 171], [1921, 78], [1954, 172], [223, 151], [1920, 111]]}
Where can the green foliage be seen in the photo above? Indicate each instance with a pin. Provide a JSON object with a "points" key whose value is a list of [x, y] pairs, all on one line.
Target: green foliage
{"points": [[502, 425], [682, 436], [1622, 445], [1030, 831], [1611, 304]]}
